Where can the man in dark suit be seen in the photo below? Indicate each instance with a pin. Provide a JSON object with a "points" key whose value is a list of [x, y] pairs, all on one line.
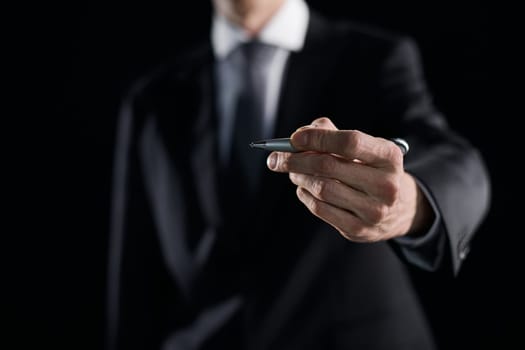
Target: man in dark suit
{"points": [[209, 250]]}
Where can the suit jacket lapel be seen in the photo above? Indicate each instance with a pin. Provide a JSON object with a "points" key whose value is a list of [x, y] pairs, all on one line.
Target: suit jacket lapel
{"points": [[189, 126], [188, 130], [306, 76]]}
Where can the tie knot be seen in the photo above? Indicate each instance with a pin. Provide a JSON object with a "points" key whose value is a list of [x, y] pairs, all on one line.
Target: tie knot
{"points": [[256, 52]]}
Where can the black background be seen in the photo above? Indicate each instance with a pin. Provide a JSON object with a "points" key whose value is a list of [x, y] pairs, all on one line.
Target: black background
{"points": [[71, 66]]}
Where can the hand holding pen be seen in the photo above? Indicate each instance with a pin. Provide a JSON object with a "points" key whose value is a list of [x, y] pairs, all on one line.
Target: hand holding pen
{"points": [[351, 180]]}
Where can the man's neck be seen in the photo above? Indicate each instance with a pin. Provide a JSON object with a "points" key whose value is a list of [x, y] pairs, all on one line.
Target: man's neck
{"points": [[252, 16]]}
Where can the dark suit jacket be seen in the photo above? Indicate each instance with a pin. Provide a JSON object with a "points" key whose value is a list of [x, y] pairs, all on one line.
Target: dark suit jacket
{"points": [[184, 254]]}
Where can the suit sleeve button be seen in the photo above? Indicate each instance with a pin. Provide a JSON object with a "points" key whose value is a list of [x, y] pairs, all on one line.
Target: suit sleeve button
{"points": [[464, 252]]}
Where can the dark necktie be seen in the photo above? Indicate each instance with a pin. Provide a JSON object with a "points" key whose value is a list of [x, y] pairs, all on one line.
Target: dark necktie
{"points": [[249, 116]]}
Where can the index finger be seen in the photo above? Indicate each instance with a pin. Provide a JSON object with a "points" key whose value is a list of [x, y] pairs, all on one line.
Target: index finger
{"points": [[349, 144]]}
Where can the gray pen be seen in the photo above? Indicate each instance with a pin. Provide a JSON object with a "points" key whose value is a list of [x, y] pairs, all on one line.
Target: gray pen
{"points": [[284, 145]]}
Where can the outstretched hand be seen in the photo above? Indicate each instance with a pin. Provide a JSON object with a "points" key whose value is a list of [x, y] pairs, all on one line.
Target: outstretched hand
{"points": [[353, 181]]}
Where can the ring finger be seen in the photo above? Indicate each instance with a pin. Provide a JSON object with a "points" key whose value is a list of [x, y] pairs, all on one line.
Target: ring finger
{"points": [[335, 193]]}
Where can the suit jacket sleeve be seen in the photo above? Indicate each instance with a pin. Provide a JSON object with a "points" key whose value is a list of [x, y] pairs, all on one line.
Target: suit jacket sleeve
{"points": [[447, 167]]}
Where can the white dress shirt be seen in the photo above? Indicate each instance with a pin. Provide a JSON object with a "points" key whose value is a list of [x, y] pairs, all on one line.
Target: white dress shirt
{"points": [[286, 31]]}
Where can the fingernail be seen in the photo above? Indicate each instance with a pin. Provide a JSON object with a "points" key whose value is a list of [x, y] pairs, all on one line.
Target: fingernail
{"points": [[271, 161]]}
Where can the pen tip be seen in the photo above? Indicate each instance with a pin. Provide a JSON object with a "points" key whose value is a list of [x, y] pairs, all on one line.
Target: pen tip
{"points": [[257, 144]]}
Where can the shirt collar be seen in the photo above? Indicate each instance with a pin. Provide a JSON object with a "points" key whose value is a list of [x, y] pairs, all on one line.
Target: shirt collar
{"points": [[286, 29]]}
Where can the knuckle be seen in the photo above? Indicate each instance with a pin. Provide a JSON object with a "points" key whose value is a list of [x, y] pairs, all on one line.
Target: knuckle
{"points": [[283, 161], [389, 189], [317, 188], [315, 207], [352, 140], [394, 154], [322, 140], [350, 143], [378, 213], [311, 203], [321, 189]]}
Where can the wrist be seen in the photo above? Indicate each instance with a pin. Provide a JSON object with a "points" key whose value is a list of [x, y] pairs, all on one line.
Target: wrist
{"points": [[423, 213]]}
